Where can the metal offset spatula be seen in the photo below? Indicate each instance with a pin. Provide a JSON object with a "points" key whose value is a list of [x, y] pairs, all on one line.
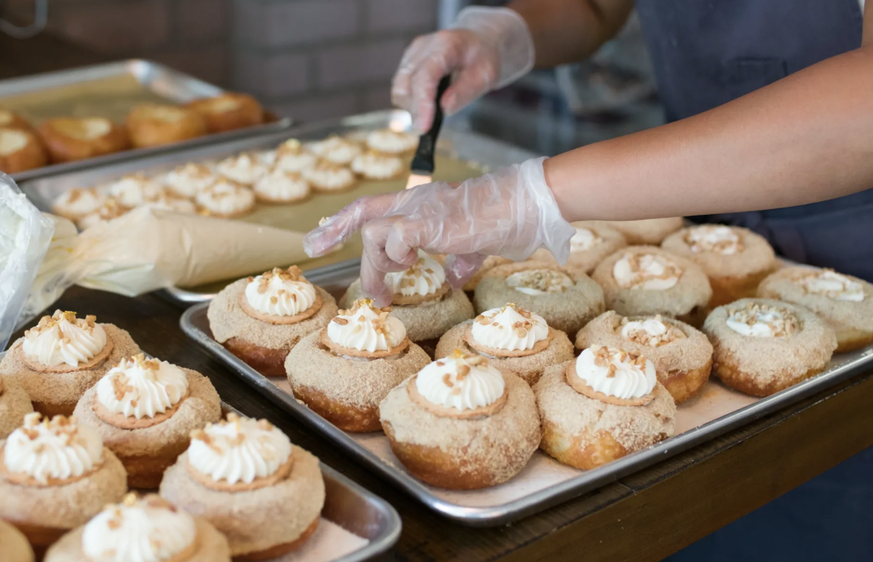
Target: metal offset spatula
{"points": [[423, 161]]}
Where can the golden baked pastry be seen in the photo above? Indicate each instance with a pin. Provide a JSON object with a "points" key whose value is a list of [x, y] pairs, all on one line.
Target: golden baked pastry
{"points": [[11, 120], [734, 259], [260, 319], [228, 111], [77, 138], [462, 424], [646, 232], [602, 406], [762, 346], [154, 125], [20, 150], [266, 504], [14, 544], [14, 404], [681, 354]]}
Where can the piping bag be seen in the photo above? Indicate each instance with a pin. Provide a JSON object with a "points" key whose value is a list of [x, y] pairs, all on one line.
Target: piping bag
{"points": [[42, 255]]}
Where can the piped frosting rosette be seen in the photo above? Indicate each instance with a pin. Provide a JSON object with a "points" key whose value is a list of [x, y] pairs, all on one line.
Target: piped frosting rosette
{"points": [[64, 343], [613, 376], [292, 156], [239, 454], [424, 281], [140, 530], [245, 168], [281, 296], [459, 386], [365, 331], [45, 452], [508, 331]]}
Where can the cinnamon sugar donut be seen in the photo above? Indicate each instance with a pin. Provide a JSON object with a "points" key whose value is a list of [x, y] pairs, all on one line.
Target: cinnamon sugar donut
{"points": [[260, 319], [467, 439], [145, 411], [345, 370], [14, 404], [763, 346], [62, 357], [681, 354], [734, 259], [588, 421], [15, 545], [20, 150], [512, 339], [646, 280], [647, 231], [566, 299], [844, 302]]}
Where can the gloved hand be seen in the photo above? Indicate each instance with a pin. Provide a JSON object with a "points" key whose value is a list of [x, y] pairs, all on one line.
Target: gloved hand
{"points": [[509, 213], [486, 48]]}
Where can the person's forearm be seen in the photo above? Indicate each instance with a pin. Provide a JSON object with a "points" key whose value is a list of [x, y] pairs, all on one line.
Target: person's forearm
{"points": [[806, 138], [566, 31]]}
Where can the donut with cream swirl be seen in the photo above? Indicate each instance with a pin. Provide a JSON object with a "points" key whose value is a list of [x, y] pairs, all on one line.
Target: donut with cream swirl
{"points": [[292, 157], [62, 342], [459, 386], [613, 376], [239, 454], [424, 281], [646, 271], [508, 329], [226, 199], [365, 331], [51, 452], [281, 296]]}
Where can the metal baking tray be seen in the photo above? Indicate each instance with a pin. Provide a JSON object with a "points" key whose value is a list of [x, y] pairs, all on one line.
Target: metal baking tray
{"points": [[460, 154], [111, 90], [544, 482]]}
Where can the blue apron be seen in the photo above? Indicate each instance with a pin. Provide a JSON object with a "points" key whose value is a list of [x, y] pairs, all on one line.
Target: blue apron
{"points": [[709, 52]]}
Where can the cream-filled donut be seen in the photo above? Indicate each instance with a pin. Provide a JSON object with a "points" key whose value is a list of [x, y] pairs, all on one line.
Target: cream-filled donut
{"points": [[245, 168], [77, 203], [226, 199], [292, 156], [281, 186], [377, 166], [389, 141], [190, 179], [336, 150]]}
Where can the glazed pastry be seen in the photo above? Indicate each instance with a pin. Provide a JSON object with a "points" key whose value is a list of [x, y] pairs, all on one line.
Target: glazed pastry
{"points": [[155, 125], [645, 280], [189, 180], [845, 303], [376, 166], [513, 339], [20, 150], [605, 404], [343, 371], [11, 120], [490, 263], [261, 318], [54, 476], [681, 354], [763, 346], [292, 156], [280, 186], [77, 203], [226, 199], [14, 544], [336, 150], [387, 141], [109, 209], [734, 259], [423, 300], [228, 111], [462, 424], [135, 189], [245, 168], [567, 300], [327, 177], [71, 138], [145, 410], [14, 404], [246, 478], [646, 232], [63, 356], [142, 530]]}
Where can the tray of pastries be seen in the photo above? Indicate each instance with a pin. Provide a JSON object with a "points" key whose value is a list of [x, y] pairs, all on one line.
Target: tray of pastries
{"points": [[107, 453], [56, 122], [538, 382], [288, 179]]}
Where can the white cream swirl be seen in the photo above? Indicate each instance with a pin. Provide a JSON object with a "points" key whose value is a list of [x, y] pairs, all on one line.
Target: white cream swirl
{"points": [[509, 328], [539, 281], [280, 186], [392, 142], [292, 157], [138, 530], [336, 150], [238, 450], [226, 198], [835, 286], [280, 292], [77, 203], [142, 388], [713, 238], [57, 449], [244, 168], [377, 166], [63, 339], [425, 277], [653, 332], [327, 176], [366, 329], [761, 321], [135, 189], [584, 240], [190, 179], [646, 271], [460, 382], [616, 373]]}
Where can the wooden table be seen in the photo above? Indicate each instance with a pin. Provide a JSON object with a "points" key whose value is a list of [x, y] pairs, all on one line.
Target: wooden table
{"points": [[646, 516]]}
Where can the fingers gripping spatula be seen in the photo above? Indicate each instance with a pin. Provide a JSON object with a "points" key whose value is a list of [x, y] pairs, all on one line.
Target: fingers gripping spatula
{"points": [[423, 161]]}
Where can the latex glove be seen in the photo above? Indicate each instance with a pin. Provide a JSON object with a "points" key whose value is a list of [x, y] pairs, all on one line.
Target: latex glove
{"points": [[509, 213], [486, 49]]}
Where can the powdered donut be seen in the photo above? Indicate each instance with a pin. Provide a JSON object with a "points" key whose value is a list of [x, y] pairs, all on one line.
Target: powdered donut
{"points": [[14, 404]]}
